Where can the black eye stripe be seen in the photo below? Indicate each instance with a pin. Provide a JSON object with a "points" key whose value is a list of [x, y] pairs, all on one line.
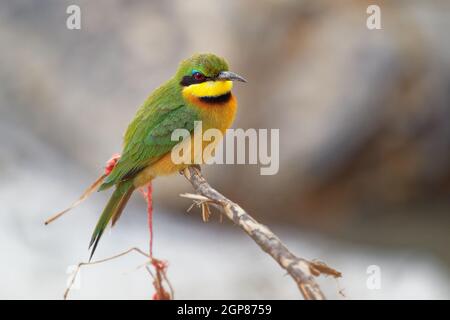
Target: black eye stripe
{"points": [[188, 80]]}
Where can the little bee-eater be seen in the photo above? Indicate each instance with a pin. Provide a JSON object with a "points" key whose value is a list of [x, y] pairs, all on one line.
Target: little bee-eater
{"points": [[199, 91]]}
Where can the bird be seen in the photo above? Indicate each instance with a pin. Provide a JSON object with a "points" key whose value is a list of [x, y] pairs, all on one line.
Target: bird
{"points": [[200, 90]]}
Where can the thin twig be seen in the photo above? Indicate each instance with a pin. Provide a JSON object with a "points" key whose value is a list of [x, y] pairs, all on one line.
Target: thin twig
{"points": [[83, 197], [301, 270], [158, 281], [66, 293]]}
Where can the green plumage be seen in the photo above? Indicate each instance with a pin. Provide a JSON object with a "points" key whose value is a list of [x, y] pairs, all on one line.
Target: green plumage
{"points": [[113, 209], [148, 137]]}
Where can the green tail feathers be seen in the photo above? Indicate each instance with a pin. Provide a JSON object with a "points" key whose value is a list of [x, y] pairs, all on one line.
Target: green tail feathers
{"points": [[112, 211]]}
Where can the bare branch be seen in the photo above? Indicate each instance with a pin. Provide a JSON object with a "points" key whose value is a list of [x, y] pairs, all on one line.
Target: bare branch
{"points": [[66, 293], [158, 278], [301, 270]]}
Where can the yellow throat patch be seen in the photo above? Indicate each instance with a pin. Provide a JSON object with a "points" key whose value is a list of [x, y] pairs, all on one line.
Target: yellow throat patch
{"points": [[209, 88]]}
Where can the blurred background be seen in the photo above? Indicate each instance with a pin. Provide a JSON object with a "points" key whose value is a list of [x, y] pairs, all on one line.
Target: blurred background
{"points": [[364, 119]]}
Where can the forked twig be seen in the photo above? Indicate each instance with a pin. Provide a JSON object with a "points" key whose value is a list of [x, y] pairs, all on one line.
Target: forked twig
{"points": [[158, 278], [301, 270]]}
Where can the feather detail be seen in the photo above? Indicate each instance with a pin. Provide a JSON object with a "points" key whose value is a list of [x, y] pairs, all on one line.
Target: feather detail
{"points": [[113, 210]]}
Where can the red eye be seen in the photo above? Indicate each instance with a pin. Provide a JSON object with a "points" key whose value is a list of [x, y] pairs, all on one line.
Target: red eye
{"points": [[198, 76]]}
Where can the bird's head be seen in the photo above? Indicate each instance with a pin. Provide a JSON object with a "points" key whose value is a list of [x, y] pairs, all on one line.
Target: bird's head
{"points": [[206, 75]]}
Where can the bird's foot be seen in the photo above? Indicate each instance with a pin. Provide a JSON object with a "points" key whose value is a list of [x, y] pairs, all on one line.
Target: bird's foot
{"points": [[195, 166], [111, 163]]}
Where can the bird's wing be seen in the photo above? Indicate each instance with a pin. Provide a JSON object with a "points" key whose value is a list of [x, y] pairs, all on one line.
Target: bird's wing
{"points": [[147, 139]]}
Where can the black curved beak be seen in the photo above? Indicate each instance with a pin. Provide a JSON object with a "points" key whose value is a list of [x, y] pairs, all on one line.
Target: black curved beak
{"points": [[228, 75]]}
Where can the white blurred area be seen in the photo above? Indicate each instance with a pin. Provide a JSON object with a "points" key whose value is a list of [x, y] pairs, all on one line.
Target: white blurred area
{"points": [[364, 124], [206, 260]]}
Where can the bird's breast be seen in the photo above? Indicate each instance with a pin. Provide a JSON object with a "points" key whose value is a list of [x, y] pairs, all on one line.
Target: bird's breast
{"points": [[215, 112]]}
